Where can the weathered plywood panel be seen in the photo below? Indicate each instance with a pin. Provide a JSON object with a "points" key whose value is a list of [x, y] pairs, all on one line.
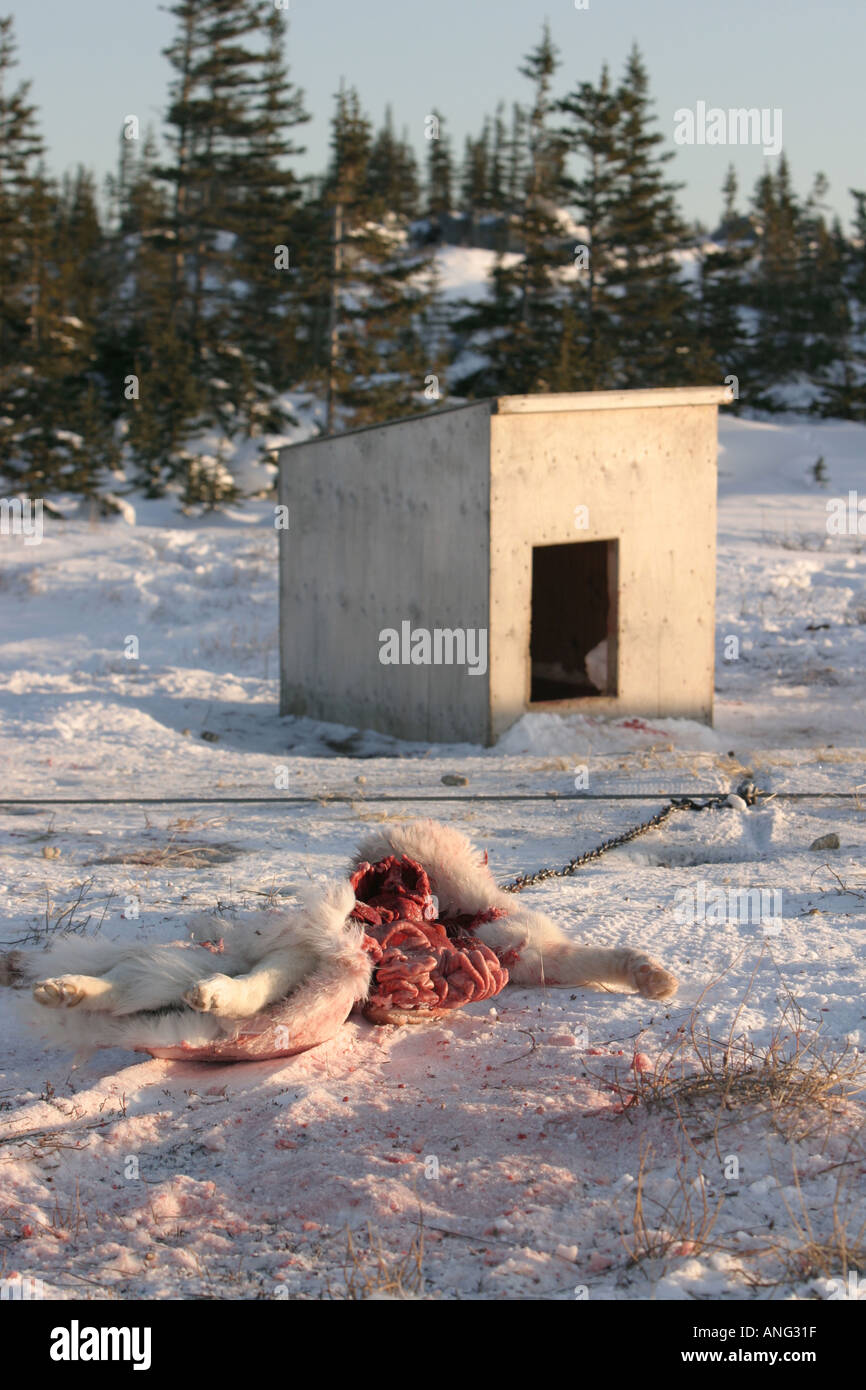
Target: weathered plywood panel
{"points": [[431, 521], [647, 477], [387, 525]]}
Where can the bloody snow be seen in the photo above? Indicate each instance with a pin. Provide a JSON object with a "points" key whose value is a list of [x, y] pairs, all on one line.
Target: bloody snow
{"points": [[512, 1149]]}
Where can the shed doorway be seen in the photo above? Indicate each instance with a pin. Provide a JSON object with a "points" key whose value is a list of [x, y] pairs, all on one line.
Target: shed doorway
{"points": [[572, 645]]}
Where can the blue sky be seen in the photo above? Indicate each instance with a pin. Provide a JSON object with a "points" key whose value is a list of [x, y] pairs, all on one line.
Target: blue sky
{"points": [[92, 62]]}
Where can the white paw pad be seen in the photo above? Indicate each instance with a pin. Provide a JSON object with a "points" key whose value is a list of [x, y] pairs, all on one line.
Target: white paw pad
{"points": [[654, 982], [211, 996], [64, 992]]}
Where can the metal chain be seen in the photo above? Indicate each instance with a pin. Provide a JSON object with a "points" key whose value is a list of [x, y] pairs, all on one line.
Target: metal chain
{"points": [[746, 791]]}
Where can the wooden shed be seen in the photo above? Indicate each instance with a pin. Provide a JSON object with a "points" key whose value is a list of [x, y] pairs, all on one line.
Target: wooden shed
{"points": [[444, 574]]}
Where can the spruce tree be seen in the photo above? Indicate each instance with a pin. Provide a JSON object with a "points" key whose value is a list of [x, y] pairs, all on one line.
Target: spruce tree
{"points": [[392, 173], [857, 259], [824, 296], [775, 286], [834, 359], [723, 291], [800, 294], [497, 178], [515, 166], [730, 189], [440, 170], [265, 220], [55, 427], [231, 110], [843, 384], [20, 153], [588, 348], [521, 322], [538, 278], [148, 362], [475, 174], [62, 419], [655, 330], [379, 289]]}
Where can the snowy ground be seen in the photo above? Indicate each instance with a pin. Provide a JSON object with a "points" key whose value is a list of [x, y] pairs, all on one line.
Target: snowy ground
{"points": [[506, 1133]]}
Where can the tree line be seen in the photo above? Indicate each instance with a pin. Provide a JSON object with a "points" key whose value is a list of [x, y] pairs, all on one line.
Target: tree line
{"points": [[187, 299]]}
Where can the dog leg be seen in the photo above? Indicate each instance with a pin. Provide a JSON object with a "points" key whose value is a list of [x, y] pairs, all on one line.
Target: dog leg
{"points": [[535, 949], [565, 966], [144, 980], [537, 952], [243, 996], [70, 991]]}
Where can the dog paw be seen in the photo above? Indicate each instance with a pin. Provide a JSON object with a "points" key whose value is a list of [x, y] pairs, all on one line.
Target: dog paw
{"points": [[64, 992], [211, 996], [654, 982]]}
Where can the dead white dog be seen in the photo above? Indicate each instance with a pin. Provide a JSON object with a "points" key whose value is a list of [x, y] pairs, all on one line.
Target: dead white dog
{"points": [[308, 965]]}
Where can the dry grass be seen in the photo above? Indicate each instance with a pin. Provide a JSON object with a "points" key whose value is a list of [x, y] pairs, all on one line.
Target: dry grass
{"points": [[827, 1259], [371, 1272], [68, 1215], [815, 1242], [795, 1086], [796, 540], [682, 1226], [804, 1253], [173, 854], [71, 918], [843, 887], [796, 1079]]}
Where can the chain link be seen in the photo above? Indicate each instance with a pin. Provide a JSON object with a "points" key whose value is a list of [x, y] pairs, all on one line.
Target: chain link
{"points": [[746, 791]]}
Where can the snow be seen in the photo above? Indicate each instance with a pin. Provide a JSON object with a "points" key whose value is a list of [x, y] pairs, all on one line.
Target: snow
{"points": [[464, 271], [509, 1132]]}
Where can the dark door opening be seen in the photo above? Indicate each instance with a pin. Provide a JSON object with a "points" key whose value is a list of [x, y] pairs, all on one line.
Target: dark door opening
{"points": [[572, 645]]}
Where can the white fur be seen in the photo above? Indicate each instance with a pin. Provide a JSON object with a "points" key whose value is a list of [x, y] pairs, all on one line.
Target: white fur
{"points": [[93, 993], [96, 993], [462, 882]]}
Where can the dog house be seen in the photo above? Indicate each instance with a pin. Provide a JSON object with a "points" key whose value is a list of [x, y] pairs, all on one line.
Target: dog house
{"points": [[444, 574]]}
